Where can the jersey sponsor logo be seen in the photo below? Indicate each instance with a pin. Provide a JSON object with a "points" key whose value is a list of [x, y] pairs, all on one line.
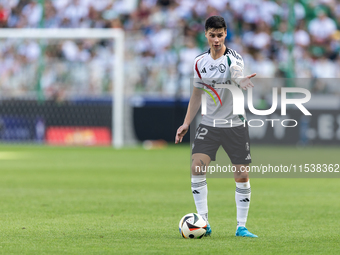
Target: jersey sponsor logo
{"points": [[214, 83], [239, 64], [212, 68], [221, 68], [203, 70]]}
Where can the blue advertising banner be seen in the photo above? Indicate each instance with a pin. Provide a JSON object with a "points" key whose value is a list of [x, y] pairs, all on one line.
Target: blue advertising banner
{"points": [[18, 129]]}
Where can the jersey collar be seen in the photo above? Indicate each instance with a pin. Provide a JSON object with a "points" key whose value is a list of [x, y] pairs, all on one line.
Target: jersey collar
{"points": [[225, 52]]}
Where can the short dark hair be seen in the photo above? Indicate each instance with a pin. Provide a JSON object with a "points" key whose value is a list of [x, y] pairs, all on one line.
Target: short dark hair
{"points": [[215, 22]]}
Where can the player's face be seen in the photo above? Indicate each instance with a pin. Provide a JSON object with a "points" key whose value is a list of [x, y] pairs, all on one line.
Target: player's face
{"points": [[216, 38]]}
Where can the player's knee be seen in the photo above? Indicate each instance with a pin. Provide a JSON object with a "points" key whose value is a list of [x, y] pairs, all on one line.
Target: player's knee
{"points": [[241, 176], [197, 169]]}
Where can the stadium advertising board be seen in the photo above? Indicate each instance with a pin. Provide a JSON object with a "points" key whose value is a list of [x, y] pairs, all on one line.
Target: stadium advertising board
{"points": [[78, 136], [21, 129]]}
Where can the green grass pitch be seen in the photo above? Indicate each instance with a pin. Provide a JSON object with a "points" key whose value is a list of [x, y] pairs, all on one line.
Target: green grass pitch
{"points": [[69, 200]]}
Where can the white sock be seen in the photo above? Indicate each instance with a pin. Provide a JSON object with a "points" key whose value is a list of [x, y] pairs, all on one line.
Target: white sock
{"points": [[242, 198], [199, 190]]}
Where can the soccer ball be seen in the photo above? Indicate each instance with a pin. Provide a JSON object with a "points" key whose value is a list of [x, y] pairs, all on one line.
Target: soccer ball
{"points": [[192, 226]]}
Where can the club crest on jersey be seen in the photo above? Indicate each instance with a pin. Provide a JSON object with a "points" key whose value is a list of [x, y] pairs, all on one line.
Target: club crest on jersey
{"points": [[222, 68]]}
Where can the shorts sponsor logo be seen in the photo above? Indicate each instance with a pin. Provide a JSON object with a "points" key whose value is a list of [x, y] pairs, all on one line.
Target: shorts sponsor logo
{"points": [[247, 146]]}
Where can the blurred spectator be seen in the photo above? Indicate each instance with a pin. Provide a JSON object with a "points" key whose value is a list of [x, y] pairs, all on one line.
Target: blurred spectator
{"points": [[321, 28], [324, 68], [4, 14], [51, 19], [32, 13], [162, 39], [75, 12], [301, 37], [187, 56]]}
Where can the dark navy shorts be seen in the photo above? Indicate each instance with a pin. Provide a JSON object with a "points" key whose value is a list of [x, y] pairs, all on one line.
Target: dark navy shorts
{"points": [[235, 141]]}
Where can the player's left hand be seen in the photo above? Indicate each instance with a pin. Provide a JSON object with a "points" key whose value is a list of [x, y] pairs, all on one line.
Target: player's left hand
{"points": [[246, 83]]}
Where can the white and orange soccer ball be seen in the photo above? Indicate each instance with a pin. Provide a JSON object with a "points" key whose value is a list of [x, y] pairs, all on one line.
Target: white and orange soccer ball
{"points": [[192, 226]]}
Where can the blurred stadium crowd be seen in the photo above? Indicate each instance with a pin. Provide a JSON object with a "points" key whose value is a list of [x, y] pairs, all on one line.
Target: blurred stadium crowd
{"points": [[162, 39]]}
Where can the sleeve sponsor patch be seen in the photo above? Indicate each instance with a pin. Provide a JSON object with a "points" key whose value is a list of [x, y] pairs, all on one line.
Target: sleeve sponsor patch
{"points": [[239, 64]]}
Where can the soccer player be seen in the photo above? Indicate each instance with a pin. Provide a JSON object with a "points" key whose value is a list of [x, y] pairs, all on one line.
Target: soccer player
{"points": [[219, 65]]}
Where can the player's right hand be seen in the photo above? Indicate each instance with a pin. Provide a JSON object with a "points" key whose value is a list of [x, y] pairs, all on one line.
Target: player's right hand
{"points": [[181, 131]]}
